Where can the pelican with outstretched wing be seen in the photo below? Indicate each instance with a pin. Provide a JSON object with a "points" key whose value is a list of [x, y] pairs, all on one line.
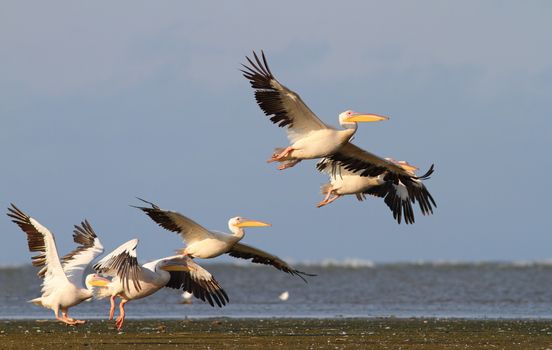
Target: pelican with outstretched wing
{"points": [[397, 195], [131, 281], [62, 280], [204, 244], [310, 137]]}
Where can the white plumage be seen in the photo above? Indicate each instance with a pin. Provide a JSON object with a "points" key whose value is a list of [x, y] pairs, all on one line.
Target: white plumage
{"points": [[310, 137], [131, 281], [62, 285], [398, 196], [205, 244]]}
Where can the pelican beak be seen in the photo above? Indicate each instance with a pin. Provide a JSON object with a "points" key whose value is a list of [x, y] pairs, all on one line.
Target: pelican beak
{"points": [[98, 281], [252, 223], [176, 265], [361, 117], [408, 167]]}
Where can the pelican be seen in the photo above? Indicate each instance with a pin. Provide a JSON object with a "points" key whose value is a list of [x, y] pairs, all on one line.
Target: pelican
{"points": [[130, 281], [310, 137], [62, 280], [204, 244], [398, 196]]}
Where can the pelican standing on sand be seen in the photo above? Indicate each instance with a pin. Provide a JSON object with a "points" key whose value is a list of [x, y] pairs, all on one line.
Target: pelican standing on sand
{"points": [[62, 280], [204, 244], [310, 137], [397, 195], [130, 281]]}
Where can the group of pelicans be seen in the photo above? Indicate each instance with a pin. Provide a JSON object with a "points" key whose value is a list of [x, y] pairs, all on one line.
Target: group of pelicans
{"points": [[118, 275]]}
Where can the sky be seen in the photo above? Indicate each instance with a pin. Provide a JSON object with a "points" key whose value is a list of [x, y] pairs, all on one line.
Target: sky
{"points": [[102, 102]]}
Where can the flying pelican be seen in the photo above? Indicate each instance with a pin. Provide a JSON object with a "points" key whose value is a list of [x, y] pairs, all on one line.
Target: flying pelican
{"points": [[204, 244], [62, 280], [398, 196], [310, 137], [131, 281]]}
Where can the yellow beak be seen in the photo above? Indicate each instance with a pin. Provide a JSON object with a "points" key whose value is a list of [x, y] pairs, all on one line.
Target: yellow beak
{"points": [[358, 118], [176, 267], [408, 167], [99, 282], [177, 264], [252, 223]]}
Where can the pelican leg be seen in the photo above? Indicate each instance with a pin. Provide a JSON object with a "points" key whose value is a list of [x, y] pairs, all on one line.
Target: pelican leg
{"points": [[278, 157], [289, 164], [112, 308], [63, 318], [328, 200], [121, 319], [65, 313]]}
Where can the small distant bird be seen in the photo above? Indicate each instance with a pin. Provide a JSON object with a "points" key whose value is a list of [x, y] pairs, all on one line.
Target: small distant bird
{"points": [[204, 244], [398, 195], [132, 281], [62, 280], [186, 298], [284, 296], [310, 137]]}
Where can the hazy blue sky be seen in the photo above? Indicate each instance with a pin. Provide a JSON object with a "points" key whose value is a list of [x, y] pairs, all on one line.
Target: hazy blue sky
{"points": [[102, 102]]}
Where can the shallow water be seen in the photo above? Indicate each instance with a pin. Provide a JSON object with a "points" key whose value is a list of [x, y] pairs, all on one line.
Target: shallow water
{"points": [[486, 290]]}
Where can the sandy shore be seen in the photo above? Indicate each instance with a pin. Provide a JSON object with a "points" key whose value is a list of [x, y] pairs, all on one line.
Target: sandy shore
{"points": [[386, 333]]}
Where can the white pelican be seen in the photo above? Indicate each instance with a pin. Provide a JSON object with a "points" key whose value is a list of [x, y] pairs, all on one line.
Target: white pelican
{"points": [[310, 137], [204, 244], [397, 195], [62, 280], [131, 281]]}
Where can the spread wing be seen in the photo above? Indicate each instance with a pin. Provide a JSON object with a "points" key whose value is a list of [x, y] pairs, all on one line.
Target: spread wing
{"points": [[364, 163], [75, 262], [398, 195], [258, 256], [397, 199], [40, 240], [122, 262], [189, 230], [199, 282], [284, 107]]}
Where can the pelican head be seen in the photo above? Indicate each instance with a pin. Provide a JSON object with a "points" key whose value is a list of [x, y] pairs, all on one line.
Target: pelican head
{"points": [[349, 118], [240, 222]]}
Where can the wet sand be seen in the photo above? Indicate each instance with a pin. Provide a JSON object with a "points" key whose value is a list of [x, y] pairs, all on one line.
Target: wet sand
{"points": [[387, 333]]}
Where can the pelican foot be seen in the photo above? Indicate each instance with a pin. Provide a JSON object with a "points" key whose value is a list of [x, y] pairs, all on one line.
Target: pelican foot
{"points": [[289, 164]]}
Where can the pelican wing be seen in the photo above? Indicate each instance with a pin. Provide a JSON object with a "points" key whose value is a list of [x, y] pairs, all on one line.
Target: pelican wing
{"points": [[40, 240], [284, 107], [199, 282], [258, 256], [75, 262], [397, 198], [399, 190], [189, 230], [356, 159], [123, 263], [332, 168]]}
